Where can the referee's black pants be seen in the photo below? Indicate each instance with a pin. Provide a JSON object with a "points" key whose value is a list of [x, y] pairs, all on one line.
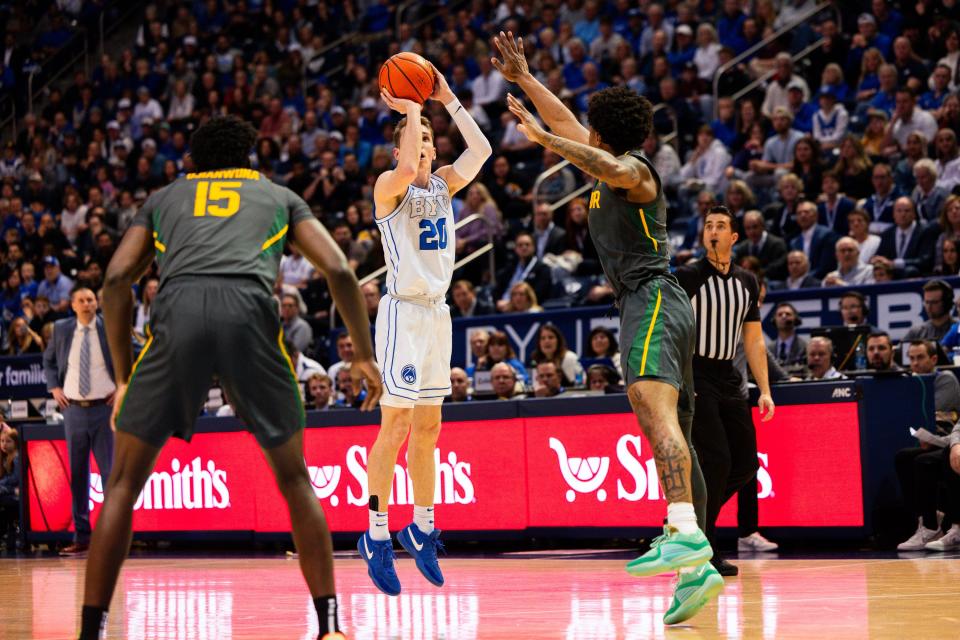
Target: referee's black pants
{"points": [[723, 434]]}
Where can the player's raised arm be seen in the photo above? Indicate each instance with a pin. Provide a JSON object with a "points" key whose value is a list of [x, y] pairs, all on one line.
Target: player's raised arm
{"points": [[393, 184], [468, 165], [549, 107], [316, 244], [624, 172]]}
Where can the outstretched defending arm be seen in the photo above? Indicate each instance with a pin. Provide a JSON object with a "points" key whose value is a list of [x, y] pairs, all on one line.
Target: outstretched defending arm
{"points": [[468, 165], [555, 114], [624, 172]]}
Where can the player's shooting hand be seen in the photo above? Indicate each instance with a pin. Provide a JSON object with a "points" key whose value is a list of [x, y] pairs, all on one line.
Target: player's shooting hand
{"points": [[766, 407], [117, 403], [366, 372], [528, 124], [441, 90], [514, 65], [400, 105]]}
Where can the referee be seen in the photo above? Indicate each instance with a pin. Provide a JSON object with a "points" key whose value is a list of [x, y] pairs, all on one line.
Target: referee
{"points": [[726, 301]]}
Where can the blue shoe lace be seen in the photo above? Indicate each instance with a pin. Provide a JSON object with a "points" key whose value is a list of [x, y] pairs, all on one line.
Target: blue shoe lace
{"points": [[385, 555]]}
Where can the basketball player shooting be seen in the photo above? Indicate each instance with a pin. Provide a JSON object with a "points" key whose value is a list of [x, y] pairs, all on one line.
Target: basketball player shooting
{"points": [[627, 218], [414, 333], [217, 235]]}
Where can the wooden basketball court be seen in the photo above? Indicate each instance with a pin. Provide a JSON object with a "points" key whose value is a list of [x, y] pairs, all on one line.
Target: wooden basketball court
{"points": [[528, 595]]}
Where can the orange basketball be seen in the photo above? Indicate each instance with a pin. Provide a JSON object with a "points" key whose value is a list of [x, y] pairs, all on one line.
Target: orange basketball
{"points": [[408, 76]]}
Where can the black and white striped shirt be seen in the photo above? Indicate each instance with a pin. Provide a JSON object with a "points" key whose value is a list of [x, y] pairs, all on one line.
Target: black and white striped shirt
{"points": [[721, 304]]}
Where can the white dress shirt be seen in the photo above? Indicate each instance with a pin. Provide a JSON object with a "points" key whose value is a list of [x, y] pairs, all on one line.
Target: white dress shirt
{"points": [[101, 384]]}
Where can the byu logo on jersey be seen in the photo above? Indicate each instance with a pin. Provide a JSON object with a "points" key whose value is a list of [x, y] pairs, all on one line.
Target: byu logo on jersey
{"points": [[409, 374], [429, 206]]}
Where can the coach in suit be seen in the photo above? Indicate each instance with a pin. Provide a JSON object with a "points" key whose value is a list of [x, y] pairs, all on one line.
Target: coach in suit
{"points": [[771, 250], [815, 240], [79, 374], [907, 246]]}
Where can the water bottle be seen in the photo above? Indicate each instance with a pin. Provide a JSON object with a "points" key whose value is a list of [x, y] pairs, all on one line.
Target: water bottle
{"points": [[860, 356], [956, 356]]}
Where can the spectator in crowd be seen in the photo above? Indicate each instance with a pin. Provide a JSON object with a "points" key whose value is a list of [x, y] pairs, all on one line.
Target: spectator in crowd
{"points": [[776, 95], [465, 301], [523, 299], [927, 196], [788, 348], [778, 148], [371, 298], [798, 272], [459, 386], [907, 119], [951, 479], [853, 309], [350, 396], [579, 242], [858, 223], [771, 250], [831, 119], [914, 151], [303, 366], [601, 343], [475, 234], [908, 246], [295, 328], [320, 391], [780, 214], [552, 346], [705, 167], [601, 377], [150, 289], [850, 271], [345, 353], [503, 379], [9, 484], [524, 267], [499, 349], [547, 236], [919, 468], [880, 352], [814, 240], [854, 168], [937, 302], [22, 339], [79, 374], [549, 382], [820, 360], [295, 270], [947, 159], [55, 287], [949, 257], [880, 204], [834, 207]]}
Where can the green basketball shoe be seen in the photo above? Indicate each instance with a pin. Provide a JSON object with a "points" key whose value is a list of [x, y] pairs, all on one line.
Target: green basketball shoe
{"points": [[671, 551], [693, 591]]}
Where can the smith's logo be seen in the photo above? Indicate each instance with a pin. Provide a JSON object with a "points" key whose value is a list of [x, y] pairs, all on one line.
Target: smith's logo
{"points": [[189, 486], [842, 392]]}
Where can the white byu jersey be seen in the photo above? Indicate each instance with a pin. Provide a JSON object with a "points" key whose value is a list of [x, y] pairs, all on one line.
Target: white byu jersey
{"points": [[418, 242]]}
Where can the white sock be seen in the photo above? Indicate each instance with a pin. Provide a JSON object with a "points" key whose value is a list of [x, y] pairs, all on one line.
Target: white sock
{"points": [[378, 525], [423, 518], [682, 516]]}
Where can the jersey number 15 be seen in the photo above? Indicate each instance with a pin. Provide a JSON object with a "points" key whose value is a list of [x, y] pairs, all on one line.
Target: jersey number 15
{"points": [[433, 236], [220, 199]]}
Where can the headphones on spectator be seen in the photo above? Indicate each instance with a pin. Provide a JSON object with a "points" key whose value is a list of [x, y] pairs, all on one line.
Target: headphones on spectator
{"points": [[861, 298], [946, 292], [796, 321]]}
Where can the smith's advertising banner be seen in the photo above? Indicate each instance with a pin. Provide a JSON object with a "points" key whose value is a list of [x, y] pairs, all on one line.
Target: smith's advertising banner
{"points": [[513, 474]]}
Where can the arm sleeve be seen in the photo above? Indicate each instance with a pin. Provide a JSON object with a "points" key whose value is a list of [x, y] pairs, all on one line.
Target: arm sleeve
{"points": [[478, 149]]}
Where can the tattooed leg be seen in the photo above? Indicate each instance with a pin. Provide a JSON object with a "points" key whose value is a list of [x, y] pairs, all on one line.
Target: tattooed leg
{"points": [[655, 405]]}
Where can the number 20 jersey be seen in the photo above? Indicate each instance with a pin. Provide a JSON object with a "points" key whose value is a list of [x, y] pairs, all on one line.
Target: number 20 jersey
{"points": [[231, 222], [418, 242]]}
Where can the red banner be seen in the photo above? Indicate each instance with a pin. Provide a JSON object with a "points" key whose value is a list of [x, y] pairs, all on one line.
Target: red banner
{"points": [[592, 470]]}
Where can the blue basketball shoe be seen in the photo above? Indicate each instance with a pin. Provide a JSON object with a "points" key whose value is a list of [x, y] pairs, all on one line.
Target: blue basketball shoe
{"points": [[378, 554], [423, 547]]}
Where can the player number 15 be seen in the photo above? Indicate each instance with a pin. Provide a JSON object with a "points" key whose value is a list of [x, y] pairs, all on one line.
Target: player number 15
{"points": [[220, 199]]}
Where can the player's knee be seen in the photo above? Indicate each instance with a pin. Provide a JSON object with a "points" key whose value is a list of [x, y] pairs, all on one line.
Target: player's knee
{"points": [[394, 431]]}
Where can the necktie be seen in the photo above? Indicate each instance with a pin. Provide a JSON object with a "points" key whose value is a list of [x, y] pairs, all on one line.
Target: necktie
{"points": [[755, 249], [900, 239], [85, 363], [783, 352]]}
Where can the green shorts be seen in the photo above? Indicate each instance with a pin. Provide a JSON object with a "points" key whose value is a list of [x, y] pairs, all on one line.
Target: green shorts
{"points": [[658, 337], [202, 327]]}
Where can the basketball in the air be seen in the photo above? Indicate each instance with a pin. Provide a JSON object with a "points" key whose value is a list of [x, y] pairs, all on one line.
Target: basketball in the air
{"points": [[408, 76]]}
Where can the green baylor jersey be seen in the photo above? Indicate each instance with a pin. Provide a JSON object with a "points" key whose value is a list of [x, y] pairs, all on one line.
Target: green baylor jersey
{"points": [[630, 237], [230, 222]]}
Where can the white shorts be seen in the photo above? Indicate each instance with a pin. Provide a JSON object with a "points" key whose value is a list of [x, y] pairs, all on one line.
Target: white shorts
{"points": [[414, 346]]}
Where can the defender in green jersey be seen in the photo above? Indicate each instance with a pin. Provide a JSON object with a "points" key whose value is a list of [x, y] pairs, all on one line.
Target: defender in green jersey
{"points": [[627, 220], [217, 235]]}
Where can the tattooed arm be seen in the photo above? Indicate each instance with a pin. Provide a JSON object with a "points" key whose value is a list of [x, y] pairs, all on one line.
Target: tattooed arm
{"points": [[625, 172]]}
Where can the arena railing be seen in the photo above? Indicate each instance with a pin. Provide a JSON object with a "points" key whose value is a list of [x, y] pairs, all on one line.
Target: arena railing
{"points": [[485, 249], [670, 138], [803, 19]]}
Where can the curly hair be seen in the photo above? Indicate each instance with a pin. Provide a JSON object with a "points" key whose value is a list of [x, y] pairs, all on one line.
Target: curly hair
{"points": [[621, 117], [222, 142]]}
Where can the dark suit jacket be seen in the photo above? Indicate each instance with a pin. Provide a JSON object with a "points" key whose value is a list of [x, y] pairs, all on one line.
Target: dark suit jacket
{"points": [[773, 255], [58, 351], [918, 257], [840, 224], [538, 277], [823, 257], [773, 214], [797, 354], [556, 240], [481, 309]]}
